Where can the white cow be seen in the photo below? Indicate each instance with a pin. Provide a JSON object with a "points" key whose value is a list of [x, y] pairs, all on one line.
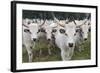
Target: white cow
{"points": [[65, 39], [84, 26], [82, 35], [46, 31], [30, 35]]}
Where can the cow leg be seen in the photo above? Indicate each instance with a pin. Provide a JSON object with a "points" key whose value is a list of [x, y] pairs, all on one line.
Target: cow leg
{"points": [[79, 47], [71, 52], [64, 56], [67, 54], [40, 52], [30, 53], [49, 48], [49, 51]]}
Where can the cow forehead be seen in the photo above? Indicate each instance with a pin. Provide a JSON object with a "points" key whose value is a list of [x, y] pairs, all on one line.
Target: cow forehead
{"points": [[62, 21], [33, 26], [70, 28], [48, 29]]}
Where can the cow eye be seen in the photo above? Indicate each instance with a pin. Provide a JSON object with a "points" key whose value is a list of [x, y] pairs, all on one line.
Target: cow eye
{"points": [[54, 30], [26, 30], [62, 31], [28, 23], [75, 34], [77, 30], [39, 31], [42, 30], [80, 30], [88, 23]]}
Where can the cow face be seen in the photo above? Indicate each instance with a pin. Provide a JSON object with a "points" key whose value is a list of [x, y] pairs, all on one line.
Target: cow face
{"points": [[48, 30], [70, 33], [33, 27], [85, 29]]}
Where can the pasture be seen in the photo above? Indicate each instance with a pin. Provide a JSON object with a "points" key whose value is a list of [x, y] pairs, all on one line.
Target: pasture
{"points": [[40, 52]]}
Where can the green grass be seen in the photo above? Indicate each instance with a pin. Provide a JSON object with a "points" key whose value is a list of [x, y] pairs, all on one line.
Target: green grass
{"points": [[85, 53], [55, 56]]}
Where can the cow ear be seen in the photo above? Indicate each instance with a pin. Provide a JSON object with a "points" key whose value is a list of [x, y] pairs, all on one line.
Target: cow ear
{"points": [[43, 30], [78, 29]]}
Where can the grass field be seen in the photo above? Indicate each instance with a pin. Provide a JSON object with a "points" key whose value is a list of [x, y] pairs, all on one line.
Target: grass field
{"points": [[55, 56]]}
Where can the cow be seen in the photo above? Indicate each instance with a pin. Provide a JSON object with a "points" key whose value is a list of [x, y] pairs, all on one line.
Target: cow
{"points": [[84, 26], [46, 31], [83, 31], [65, 38], [30, 36]]}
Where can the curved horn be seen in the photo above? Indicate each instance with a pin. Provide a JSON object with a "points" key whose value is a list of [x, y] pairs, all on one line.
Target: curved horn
{"points": [[57, 21], [88, 16], [42, 23], [62, 25], [82, 23], [74, 20], [55, 26], [25, 25], [67, 21], [79, 25], [85, 21]]}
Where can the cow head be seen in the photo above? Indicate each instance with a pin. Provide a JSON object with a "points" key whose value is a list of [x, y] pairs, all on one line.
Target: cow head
{"points": [[85, 28], [49, 27], [70, 33], [33, 29], [69, 30]]}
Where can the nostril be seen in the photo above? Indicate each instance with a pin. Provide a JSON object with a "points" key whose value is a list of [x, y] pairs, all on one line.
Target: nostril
{"points": [[70, 44], [48, 39], [85, 39], [34, 39], [89, 29]]}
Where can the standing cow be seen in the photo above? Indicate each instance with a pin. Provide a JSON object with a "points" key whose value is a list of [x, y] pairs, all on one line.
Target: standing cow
{"points": [[30, 35]]}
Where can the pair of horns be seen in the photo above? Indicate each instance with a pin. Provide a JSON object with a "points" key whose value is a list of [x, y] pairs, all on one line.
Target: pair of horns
{"points": [[57, 21]]}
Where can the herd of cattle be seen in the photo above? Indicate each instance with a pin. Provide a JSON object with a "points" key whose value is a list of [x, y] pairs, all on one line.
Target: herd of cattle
{"points": [[65, 34]]}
